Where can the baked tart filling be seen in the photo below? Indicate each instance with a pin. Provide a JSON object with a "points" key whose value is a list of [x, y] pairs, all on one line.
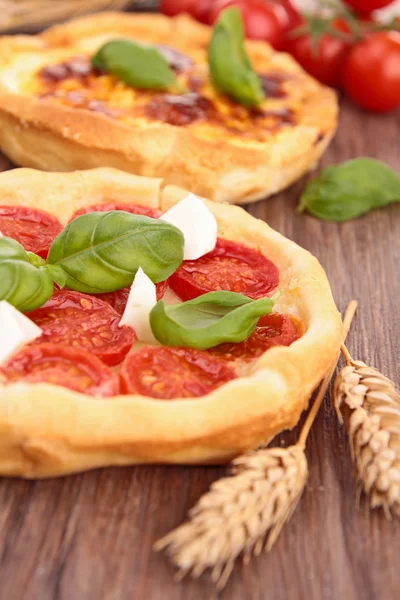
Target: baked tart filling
{"points": [[77, 84], [221, 291]]}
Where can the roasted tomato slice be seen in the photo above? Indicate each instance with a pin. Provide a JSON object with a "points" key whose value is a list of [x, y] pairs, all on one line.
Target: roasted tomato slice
{"points": [[168, 373], [33, 229], [272, 330], [72, 368], [135, 209], [119, 298], [231, 267], [84, 322]]}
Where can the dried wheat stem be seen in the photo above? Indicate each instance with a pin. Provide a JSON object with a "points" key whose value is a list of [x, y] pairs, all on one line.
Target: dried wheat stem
{"points": [[372, 408], [37, 13], [244, 512], [348, 318]]}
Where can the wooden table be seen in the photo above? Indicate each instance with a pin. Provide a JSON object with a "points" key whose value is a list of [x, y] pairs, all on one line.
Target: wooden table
{"points": [[89, 537]]}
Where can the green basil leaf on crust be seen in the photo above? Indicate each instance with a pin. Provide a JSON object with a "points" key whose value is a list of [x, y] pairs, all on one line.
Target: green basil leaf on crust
{"points": [[57, 275], [21, 283], [208, 320], [137, 65], [230, 67], [101, 251], [35, 260], [348, 190]]}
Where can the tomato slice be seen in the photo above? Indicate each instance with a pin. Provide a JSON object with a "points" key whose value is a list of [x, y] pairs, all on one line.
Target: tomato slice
{"points": [[85, 322], [135, 209], [61, 365], [119, 298], [231, 267], [167, 373], [272, 330], [34, 229]]}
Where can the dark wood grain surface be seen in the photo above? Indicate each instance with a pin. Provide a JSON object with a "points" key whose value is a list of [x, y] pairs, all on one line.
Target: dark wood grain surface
{"points": [[90, 536]]}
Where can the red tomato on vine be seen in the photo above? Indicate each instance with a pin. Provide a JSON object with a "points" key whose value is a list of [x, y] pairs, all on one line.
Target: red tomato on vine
{"points": [[262, 20], [371, 72], [326, 59], [175, 7], [366, 7]]}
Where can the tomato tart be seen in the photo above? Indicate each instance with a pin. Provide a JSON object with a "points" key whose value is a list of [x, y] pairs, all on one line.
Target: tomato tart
{"points": [[234, 344], [60, 110]]}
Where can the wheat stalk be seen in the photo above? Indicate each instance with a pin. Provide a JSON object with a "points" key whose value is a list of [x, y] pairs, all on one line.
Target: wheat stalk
{"points": [[244, 512], [37, 13], [372, 407]]}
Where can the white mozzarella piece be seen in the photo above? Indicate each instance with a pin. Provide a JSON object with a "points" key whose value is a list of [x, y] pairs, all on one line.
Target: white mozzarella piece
{"points": [[16, 330], [197, 224], [142, 298], [1, 235]]}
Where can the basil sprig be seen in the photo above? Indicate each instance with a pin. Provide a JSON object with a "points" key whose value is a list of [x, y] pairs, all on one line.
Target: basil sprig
{"points": [[137, 65], [348, 190], [101, 251], [230, 67], [21, 283], [208, 320]]}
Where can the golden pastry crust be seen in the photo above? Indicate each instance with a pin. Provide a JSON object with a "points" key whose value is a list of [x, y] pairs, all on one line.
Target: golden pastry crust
{"points": [[231, 157], [47, 430]]}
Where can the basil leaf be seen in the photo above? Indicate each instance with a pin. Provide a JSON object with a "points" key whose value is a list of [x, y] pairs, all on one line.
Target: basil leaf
{"points": [[208, 320], [137, 65], [350, 189], [101, 251], [57, 275], [35, 260], [22, 284], [230, 67]]}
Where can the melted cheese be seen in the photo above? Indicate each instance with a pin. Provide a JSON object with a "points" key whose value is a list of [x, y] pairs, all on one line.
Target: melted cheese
{"points": [[197, 223], [16, 330], [142, 298]]}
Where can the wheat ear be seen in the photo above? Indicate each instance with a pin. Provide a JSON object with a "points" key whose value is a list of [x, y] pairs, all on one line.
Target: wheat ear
{"points": [[244, 512], [372, 410]]}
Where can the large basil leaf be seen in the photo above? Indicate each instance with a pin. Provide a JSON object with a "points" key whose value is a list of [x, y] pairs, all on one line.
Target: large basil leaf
{"points": [[101, 251], [346, 191], [208, 320], [21, 283], [230, 67], [137, 65]]}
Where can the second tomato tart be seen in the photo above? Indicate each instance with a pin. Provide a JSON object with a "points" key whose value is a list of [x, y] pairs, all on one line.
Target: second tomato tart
{"points": [[60, 110], [226, 329]]}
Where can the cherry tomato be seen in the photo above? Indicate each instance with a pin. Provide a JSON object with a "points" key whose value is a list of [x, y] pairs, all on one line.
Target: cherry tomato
{"points": [[231, 267], [175, 7], [84, 322], [272, 330], [73, 368], [371, 73], [287, 14], [34, 229], [365, 7], [199, 9], [202, 10], [326, 61], [261, 19], [135, 209], [168, 373]]}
